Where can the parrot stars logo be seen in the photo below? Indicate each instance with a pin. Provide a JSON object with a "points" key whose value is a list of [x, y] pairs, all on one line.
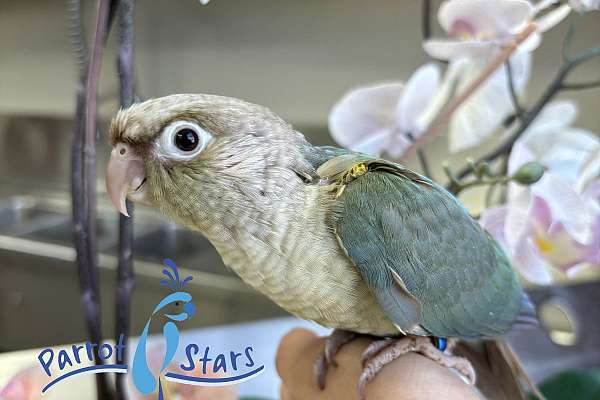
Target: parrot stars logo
{"points": [[176, 307], [172, 310]]}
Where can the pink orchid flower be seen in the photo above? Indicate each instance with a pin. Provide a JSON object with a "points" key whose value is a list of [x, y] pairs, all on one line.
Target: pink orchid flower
{"points": [[554, 225], [385, 117], [564, 8], [477, 30]]}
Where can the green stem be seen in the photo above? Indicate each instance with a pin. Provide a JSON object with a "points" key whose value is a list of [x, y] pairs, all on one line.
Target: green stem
{"points": [[581, 85], [483, 182], [513, 93]]}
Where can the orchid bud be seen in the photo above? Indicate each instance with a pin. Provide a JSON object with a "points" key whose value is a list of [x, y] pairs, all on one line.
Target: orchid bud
{"points": [[529, 173], [483, 169]]}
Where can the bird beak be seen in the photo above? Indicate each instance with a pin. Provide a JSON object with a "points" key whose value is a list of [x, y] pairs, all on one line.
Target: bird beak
{"points": [[125, 176], [190, 309]]}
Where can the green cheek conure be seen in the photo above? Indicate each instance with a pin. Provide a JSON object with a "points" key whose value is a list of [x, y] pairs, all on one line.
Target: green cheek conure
{"points": [[352, 242]]}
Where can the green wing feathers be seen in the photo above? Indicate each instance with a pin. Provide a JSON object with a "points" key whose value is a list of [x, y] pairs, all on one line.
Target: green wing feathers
{"points": [[431, 267]]}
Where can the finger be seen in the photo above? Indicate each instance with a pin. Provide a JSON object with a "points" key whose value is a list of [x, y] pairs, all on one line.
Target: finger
{"points": [[298, 353], [290, 349], [411, 376], [284, 394], [415, 377]]}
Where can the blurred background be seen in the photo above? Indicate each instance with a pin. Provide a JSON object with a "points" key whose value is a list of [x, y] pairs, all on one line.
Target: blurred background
{"points": [[296, 57]]}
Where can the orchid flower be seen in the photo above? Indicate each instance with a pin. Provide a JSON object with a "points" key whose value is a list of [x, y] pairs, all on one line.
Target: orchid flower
{"points": [[482, 113], [477, 29], [562, 9], [554, 225], [569, 152], [385, 117]]}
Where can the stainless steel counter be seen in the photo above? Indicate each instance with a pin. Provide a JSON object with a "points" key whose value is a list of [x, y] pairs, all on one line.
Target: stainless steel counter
{"points": [[39, 293]]}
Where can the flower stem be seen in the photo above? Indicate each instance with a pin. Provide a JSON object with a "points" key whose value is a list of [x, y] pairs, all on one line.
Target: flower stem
{"points": [[513, 93], [426, 19], [581, 85], [483, 182], [447, 112]]}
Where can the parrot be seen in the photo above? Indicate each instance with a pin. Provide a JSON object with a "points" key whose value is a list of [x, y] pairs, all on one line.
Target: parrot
{"points": [[176, 307], [353, 242]]}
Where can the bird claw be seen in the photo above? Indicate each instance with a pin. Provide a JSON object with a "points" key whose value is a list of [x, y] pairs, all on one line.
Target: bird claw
{"points": [[380, 353], [373, 349], [333, 344]]}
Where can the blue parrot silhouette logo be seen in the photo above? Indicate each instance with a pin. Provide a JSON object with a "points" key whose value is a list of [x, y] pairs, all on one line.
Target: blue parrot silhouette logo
{"points": [[143, 378]]}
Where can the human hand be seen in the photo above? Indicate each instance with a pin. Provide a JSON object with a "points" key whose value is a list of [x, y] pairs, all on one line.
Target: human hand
{"points": [[410, 377]]}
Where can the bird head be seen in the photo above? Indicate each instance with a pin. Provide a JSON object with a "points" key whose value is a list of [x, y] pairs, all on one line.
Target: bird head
{"points": [[194, 156], [178, 305]]}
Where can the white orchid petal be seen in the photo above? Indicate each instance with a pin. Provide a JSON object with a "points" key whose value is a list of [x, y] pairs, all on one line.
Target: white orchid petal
{"points": [[442, 95], [564, 252], [567, 207], [565, 153], [543, 4], [398, 145], [493, 220], [556, 116], [417, 95], [518, 219], [375, 143], [553, 18], [363, 112], [519, 155], [485, 110], [590, 169], [531, 264], [576, 270], [489, 18], [450, 49]]}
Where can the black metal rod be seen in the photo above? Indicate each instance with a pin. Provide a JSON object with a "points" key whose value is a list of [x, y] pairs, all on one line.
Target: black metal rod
{"points": [[125, 272], [83, 184]]}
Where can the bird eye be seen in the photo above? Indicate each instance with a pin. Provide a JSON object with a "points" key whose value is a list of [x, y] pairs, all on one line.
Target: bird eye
{"points": [[183, 140], [176, 304], [186, 139]]}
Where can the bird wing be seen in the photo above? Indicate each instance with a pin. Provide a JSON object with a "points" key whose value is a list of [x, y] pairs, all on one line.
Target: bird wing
{"points": [[171, 335], [431, 267]]}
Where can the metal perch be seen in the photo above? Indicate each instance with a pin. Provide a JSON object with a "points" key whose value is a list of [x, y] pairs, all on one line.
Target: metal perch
{"points": [[83, 178], [125, 274]]}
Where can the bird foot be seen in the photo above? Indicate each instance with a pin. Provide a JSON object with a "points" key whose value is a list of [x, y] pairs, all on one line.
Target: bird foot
{"points": [[333, 344], [382, 352]]}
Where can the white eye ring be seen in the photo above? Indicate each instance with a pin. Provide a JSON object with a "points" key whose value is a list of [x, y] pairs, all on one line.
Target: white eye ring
{"points": [[182, 140]]}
